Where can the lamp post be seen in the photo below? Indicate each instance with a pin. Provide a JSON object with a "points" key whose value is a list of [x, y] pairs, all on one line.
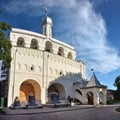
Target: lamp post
{"points": [[14, 75]]}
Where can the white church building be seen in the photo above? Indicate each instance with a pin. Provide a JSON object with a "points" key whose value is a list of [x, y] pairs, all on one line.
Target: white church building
{"points": [[44, 66]]}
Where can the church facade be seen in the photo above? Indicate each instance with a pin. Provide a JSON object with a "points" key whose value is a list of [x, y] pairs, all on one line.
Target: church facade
{"points": [[44, 66]]}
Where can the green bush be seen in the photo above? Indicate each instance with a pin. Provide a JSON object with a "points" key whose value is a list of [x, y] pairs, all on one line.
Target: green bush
{"points": [[117, 109], [112, 102], [2, 111]]}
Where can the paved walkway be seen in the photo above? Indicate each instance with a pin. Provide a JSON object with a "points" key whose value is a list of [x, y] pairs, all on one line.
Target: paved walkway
{"points": [[80, 112], [44, 110]]}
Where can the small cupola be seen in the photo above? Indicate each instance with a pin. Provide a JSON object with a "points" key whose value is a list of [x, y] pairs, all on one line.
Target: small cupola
{"points": [[46, 25]]}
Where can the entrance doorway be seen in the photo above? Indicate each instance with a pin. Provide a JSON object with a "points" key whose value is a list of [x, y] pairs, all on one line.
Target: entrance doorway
{"points": [[28, 87], [90, 98], [56, 93]]}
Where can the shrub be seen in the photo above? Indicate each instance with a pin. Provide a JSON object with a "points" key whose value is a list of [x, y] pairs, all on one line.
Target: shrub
{"points": [[113, 101], [117, 109]]}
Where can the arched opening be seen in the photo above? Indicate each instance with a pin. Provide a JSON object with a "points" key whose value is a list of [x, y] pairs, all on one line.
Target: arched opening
{"points": [[90, 98], [56, 93], [34, 44], [69, 55], [78, 91], [61, 51], [61, 73], [48, 46], [21, 42], [28, 87], [77, 101], [78, 96]]}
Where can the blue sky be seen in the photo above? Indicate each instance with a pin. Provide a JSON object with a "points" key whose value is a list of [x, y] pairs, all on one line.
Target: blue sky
{"points": [[91, 26]]}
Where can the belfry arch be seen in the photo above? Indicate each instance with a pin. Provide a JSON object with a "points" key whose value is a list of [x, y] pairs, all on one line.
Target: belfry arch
{"points": [[70, 55], [27, 87], [48, 46], [34, 44], [61, 51], [20, 42]]}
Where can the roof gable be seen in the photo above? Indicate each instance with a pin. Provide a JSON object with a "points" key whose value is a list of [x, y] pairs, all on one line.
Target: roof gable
{"points": [[94, 82]]}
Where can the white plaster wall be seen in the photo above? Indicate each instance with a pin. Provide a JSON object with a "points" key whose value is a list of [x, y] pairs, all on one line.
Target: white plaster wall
{"points": [[47, 66]]}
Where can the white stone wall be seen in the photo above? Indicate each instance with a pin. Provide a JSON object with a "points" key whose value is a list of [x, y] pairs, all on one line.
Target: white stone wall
{"points": [[28, 36], [37, 64]]}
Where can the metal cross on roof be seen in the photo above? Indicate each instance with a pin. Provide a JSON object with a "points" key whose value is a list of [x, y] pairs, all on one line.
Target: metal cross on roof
{"points": [[46, 10]]}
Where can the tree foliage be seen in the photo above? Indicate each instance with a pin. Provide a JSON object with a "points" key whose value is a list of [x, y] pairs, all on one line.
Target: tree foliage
{"points": [[5, 44], [117, 84]]}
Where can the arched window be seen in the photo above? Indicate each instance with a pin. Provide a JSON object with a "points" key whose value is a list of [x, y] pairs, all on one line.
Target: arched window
{"points": [[69, 55], [34, 44], [61, 51], [78, 91], [61, 72], [20, 42], [48, 46]]}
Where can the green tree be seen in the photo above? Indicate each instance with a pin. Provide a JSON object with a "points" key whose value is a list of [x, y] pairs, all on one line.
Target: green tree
{"points": [[5, 44], [117, 84]]}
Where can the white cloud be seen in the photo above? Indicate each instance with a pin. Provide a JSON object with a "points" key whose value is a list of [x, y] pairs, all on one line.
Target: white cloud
{"points": [[29, 7], [85, 29]]}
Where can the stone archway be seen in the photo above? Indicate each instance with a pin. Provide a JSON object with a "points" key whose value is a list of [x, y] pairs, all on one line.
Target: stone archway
{"points": [[27, 87], [56, 93], [90, 98]]}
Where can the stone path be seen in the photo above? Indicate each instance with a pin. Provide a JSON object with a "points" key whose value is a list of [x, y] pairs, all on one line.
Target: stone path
{"points": [[44, 110]]}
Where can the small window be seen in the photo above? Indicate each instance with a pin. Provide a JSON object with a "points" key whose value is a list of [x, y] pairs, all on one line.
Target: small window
{"points": [[32, 68], [61, 72]]}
